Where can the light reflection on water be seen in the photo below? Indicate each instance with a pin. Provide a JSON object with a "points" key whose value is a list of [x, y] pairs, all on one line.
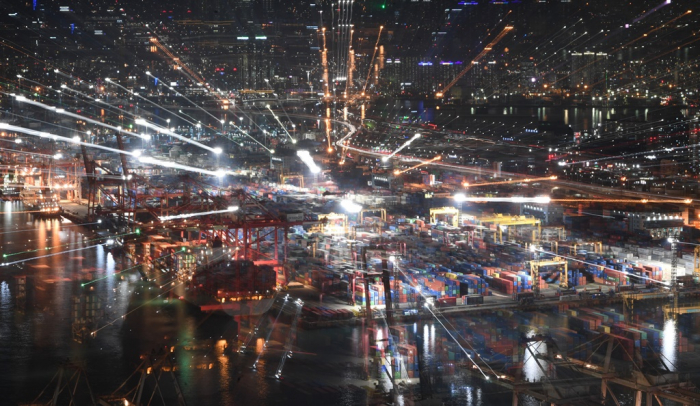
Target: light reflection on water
{"points": [[670, 344]]}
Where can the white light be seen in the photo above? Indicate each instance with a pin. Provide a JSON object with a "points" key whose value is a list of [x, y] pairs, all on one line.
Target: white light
{"points": [[148, 73], [350, 206], [76, 139], [460, 197], [218, 150], [232, 208], [392, 258], [58, 156], [18, 141], [562, 163], [140, 121], [129, 176], [220, 173], [60, 111], [223, 121]]}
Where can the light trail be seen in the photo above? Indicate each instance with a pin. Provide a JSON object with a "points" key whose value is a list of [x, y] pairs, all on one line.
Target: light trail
{"points": [[461, 197], [92, 334], [288, 344], [108, 80], [185, 97], [26, 153], [143, 159], [167, 164], [48, 255], [645, 15], [267, 338], [646, 34], [98, 102], [534, 249], [280, 123], [61, 225], [371, 61], [404, 145], [23, 99], [206, 213], [127, 269], [63, 245], [505, 182], [309, 161], [638, 201], [437, 158], [171, 133], [623, 156]]}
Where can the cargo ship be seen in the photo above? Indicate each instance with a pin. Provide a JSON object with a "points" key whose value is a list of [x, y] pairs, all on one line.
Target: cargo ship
{"points": [[41, 205], [234, 287]]}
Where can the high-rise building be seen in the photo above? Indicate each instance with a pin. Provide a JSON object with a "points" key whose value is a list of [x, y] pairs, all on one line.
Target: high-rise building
{"points": [[589, 70]]}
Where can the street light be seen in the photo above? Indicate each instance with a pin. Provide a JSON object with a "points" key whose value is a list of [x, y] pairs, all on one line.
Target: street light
{"points": [[218, 150]]}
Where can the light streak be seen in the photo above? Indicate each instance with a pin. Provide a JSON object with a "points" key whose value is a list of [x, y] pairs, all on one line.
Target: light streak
{"points": [[125, 270], [174, 165], [48, 255], [149, 160], [535, 249], [437, 158], [638, 201], [309, 161], [146, 99], [404, 145], [281, 125], [504, 182], [205, 213], [168, 131], [92, 334], [61, 225], [62, 245], [371, 61], [78, 116], [461, 197], [267, 339]]}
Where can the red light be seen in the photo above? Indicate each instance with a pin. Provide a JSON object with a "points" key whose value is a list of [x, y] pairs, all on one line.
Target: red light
{"points": [[235, 69]]}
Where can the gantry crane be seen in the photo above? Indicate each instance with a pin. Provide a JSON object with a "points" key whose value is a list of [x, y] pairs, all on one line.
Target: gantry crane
{"points": [[483, 53], [382, 213], [597, 247], [327, 218], [435, 211], [298, 177], [535, 272], [505, 220], [374, 227]]}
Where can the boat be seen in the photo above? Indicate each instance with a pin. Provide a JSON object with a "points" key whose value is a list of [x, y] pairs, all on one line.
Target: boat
{"points": [[39, 204], [234, 287]]}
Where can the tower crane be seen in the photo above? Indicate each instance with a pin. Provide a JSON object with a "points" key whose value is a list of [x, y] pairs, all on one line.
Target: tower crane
{"points": [[483, 53]]}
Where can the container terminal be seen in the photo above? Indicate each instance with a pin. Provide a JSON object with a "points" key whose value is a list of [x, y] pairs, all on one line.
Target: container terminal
{"points": [[403, 249], [396, 238]]}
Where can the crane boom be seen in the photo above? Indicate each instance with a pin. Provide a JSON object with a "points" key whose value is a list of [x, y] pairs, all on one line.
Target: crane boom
{"points": [[483, 53]]}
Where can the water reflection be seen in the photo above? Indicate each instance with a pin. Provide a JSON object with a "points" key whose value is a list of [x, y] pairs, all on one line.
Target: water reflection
{"points": [[670, 344]]}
